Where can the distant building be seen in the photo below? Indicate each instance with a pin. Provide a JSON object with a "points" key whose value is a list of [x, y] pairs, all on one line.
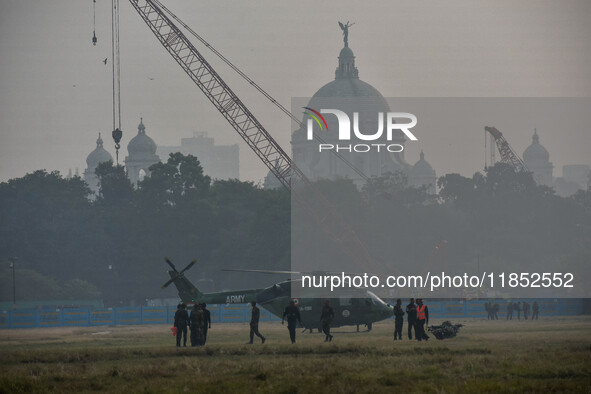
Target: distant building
{"points": [[98, 155], [422, 174], [537, 159], [142, 154], [350, 94], [574, 177], [218, 161], [578, 174]]}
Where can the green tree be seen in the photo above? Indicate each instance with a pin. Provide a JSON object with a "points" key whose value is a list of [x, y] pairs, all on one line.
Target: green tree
{"points": [[180, 179], [456, 189], [31, 285], [41, 217], [114, 185]]}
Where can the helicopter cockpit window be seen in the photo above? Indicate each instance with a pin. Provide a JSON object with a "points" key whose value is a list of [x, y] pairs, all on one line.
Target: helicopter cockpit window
{"points": [[375, 299]]}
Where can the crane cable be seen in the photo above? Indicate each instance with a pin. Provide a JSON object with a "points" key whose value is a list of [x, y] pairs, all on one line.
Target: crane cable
{"points": [[94, 40], [257, 87], [116, 67]]}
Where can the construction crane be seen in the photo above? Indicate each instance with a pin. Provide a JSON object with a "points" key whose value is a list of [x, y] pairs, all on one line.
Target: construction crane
{"points": [[253, 132], [507, 154]]}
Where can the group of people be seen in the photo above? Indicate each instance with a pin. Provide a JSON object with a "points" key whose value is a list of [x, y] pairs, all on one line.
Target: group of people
{"points": [[199, 322], [492, 310], [291, 313], [522, 307], [417, 317]]}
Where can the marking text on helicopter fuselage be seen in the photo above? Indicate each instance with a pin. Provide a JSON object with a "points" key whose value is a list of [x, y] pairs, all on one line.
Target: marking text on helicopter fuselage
{"points": [[236, 299]]}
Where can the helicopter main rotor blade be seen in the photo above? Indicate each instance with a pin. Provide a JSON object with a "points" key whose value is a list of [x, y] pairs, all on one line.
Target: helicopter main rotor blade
{"points": [[290, 272], [261, 271], [188, 266], [164, 286], [170, 263]]}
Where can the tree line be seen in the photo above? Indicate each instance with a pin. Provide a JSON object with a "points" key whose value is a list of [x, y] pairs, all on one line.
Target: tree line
{"points": [[73, 244]]}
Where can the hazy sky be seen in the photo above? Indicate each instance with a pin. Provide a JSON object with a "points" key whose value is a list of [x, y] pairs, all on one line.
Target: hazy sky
{"points": [[55, 92]]}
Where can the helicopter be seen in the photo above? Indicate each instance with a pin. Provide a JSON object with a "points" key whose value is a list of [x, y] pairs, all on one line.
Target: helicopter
{"points": [[354, 308]]}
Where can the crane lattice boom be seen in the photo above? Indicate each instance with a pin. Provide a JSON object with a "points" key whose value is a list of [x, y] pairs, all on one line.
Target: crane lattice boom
{"points": [[252, 131], [507, 154]]}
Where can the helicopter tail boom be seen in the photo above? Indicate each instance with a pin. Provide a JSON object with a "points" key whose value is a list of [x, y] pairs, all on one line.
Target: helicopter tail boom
{"points": [[187, 291]]}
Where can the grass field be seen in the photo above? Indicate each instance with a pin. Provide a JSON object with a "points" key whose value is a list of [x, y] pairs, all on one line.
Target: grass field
{"points": [[549, 355]]}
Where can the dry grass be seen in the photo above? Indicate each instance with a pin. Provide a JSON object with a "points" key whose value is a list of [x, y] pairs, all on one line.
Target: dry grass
{"points": [[551, 355]]}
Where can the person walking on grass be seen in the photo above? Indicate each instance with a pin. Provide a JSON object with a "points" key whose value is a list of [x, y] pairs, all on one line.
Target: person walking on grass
{"points": [[254, 323], [326, 318]]}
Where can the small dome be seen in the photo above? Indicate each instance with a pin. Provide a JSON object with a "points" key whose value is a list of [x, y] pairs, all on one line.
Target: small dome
{"points": [[346, 52], [422, 168], [141, 143], [536, 152], [99, 155]]}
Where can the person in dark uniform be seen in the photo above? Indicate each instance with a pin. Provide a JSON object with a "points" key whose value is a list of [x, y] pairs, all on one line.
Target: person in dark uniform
{"points": [[326, 318], [422, 320], [411, 317], [181, 319], [496, 311], [525, 310], [399, 319], [206, 321], [196, 321], [517, 307], [292, 314], [509, 310], [254, 323], [535, 311], [488, 310]]}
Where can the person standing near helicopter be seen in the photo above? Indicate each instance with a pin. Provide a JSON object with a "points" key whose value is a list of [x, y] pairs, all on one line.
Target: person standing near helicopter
{"points": [[411, 317], [398, 319], [326, 318], [181, 319], [292, 313]]}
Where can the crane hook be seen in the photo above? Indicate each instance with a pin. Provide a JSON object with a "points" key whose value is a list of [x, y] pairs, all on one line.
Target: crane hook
{"points": [[117, 134], [94, 40]]}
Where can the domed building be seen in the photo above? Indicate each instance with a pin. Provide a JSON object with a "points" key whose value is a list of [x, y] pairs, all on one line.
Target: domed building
{"points": [[142, 154], [422, 174], [349, 94], [98, 155], [537, 160]]}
